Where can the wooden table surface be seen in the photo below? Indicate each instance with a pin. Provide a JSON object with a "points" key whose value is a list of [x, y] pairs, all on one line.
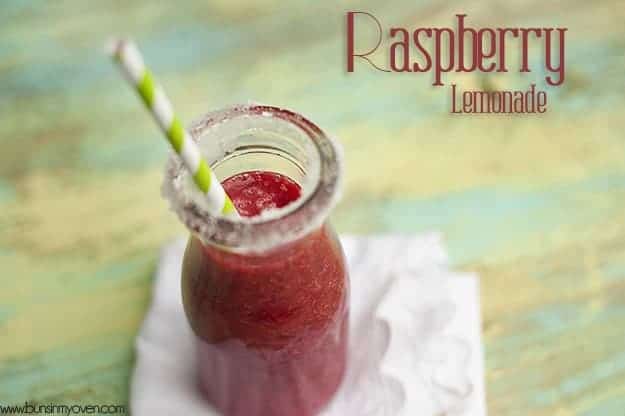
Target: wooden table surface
{"points": [[534, 204]]}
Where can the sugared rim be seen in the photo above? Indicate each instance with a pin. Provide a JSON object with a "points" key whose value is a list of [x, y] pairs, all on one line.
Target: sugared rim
{"points": [[261, 233]]}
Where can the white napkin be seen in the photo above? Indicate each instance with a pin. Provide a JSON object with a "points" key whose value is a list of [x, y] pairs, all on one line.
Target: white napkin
{"points": [[415, 343]]}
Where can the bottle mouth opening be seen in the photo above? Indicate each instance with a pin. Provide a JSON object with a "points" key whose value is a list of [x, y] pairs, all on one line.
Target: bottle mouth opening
{"points": [[258, 137]]}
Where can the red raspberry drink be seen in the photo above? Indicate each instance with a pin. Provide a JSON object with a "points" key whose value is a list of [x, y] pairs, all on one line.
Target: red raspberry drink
{"points": [[267, 297]]}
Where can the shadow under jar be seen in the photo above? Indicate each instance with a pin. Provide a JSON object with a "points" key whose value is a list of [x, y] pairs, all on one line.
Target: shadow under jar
{"points": [[266, 296]]}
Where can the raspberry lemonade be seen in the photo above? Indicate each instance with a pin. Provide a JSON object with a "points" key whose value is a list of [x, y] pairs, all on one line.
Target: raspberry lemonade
{"points": [[266, 295]]}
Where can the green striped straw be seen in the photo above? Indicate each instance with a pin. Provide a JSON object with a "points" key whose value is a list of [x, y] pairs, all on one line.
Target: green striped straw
{"points": [[126, 54]]}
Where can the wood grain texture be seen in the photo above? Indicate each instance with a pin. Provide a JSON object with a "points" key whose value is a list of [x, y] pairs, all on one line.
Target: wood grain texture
{"points": [[534, 204]]}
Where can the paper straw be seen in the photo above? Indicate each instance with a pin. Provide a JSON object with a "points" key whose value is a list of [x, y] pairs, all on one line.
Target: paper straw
{"points": [[129, 59]]}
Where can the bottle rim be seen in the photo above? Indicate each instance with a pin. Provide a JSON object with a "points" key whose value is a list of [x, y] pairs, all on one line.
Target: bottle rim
{"points": [[280, 226]]}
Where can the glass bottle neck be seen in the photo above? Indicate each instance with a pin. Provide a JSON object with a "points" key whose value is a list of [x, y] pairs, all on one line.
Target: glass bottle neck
{"points": [[259, 138]]}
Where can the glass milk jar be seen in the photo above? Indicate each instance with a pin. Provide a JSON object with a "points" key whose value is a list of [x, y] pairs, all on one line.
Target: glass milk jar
{"points": [[266, 295]]}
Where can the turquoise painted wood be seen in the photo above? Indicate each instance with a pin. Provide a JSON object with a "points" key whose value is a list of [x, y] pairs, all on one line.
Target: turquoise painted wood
{"points": [[534, 204]]}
